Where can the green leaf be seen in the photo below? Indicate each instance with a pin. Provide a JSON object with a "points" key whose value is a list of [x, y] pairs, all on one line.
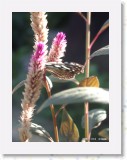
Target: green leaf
{"points": [[49, 82], [18, 86], [96, 116], [40, 133], [78, 95], [68, 129], [101, 52]]}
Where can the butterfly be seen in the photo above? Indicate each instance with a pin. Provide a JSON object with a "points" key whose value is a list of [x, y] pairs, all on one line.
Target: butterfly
{"points": [[64, 70]]}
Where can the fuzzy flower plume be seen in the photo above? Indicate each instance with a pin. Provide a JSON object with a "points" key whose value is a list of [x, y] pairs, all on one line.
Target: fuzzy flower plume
{"points": [[58, 48], [32, 90], [39, 26]]}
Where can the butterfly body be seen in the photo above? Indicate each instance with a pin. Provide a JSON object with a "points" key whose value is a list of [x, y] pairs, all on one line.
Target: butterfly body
{"points": [[64, 70]]}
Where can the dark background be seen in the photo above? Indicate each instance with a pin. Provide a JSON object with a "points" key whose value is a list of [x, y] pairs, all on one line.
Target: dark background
{"points": [[75, 29]]}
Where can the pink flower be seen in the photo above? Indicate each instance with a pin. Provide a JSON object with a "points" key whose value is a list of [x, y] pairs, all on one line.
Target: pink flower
{"points": [[32, 90], [58, 48], [39, 57]]}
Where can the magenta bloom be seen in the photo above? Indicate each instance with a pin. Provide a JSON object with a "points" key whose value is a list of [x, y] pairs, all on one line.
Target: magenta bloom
{"points": [[58, 48], [39, 56], [33, 86]]}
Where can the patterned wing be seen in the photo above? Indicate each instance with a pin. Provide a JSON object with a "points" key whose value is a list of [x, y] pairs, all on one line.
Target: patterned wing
{"points": [[64, 70]]}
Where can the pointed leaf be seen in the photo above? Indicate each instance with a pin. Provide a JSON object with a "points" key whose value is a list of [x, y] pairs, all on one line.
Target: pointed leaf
{"points": [[96, 116], [49, 82], [18, 86], [40, 131], [68, 129], [101, 52], [90, 82], [78, 95]]}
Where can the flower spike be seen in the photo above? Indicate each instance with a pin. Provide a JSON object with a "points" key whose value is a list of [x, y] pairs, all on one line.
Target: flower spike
{"points": [[58, 48]]}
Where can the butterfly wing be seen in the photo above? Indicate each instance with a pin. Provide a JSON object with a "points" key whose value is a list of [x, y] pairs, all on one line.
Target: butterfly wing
{"points": [[64, 70]]}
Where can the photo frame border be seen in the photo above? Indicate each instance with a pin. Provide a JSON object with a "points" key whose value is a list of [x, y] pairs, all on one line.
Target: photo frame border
{"points": [[114, 144]]}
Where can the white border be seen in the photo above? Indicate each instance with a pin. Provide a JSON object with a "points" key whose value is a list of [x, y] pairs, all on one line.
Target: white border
{"points": [[112, 147]]}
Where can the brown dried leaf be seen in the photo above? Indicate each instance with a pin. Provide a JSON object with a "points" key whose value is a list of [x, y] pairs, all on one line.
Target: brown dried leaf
{"points": [[90, 82], [68, 129]]}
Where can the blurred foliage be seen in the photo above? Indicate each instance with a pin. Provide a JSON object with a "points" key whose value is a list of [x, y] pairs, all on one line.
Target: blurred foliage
{"points": [[22, 43], [57, 20]]}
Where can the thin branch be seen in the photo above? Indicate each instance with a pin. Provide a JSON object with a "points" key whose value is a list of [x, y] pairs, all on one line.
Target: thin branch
{"points": [[82, 16], [98, 34], [61, 108]]}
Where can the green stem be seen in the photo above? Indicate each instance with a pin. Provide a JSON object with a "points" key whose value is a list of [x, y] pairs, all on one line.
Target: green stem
{"points": [[87, 69]]}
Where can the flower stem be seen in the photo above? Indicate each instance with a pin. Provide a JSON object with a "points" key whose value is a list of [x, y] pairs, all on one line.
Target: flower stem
{"points": [[53, 113], [86, 105], [98, 34]]}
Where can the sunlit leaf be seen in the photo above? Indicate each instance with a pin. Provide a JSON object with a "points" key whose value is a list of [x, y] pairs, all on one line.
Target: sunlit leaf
{"points": [[96, 116], [40, 132], [78, 95], [68, 129], [90, 82], [18, 86], [49, 82], [104, 133], [101, 52]]}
